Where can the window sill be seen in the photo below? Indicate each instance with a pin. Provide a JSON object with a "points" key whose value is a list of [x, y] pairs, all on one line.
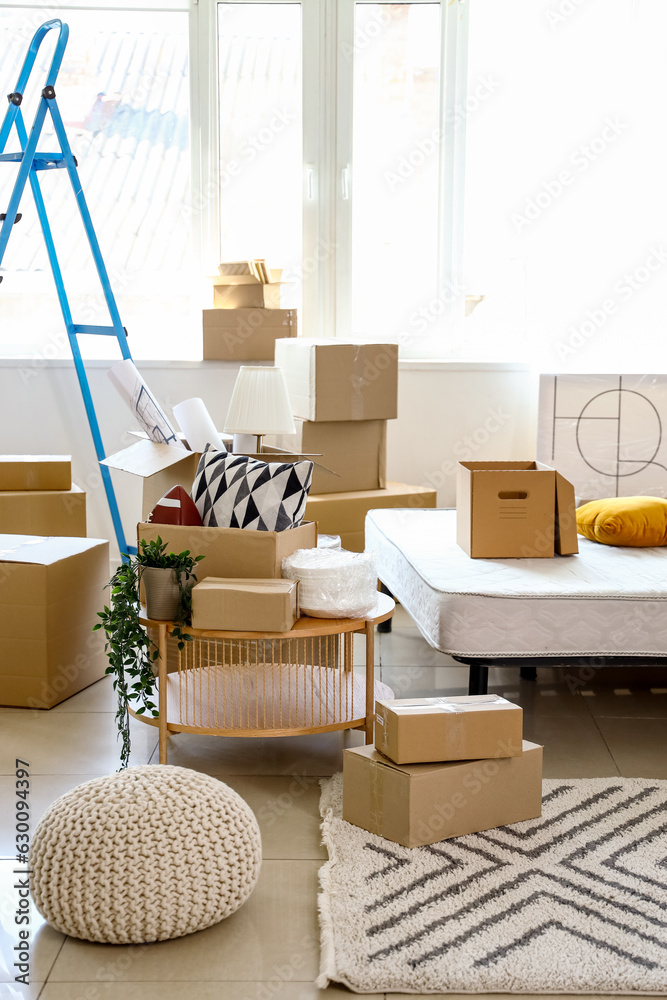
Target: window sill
{"points": [[409, 364]]}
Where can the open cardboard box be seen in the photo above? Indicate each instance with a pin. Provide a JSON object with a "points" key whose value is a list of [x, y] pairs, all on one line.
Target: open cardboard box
{"points": [[510, 510], [160, 466]]}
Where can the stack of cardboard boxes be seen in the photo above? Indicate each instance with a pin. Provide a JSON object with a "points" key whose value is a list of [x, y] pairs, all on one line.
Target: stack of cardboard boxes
{"points": [[441, 768], [52, 581], [37, 496], [342, 395], [248, 313]]}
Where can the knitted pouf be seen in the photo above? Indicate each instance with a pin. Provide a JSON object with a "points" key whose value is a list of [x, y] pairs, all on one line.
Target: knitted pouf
{"points": [[146, 854]]}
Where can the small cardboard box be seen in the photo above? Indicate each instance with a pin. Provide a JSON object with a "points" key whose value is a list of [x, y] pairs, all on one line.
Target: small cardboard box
{"points": [[344, 514], [352, 454], [251, 296], [340, 380], [35, 472], [419, 730], [417, 804], [239, 553], [245, 605], [246, 334], [510, 510], [50, 592], [43, 512]]}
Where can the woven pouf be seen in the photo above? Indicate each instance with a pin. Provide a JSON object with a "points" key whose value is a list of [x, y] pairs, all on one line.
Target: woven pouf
{"points": [[146, 854]]}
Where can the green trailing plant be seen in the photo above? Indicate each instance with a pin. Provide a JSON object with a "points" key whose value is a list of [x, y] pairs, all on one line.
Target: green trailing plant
{"points": [[130, 651]]}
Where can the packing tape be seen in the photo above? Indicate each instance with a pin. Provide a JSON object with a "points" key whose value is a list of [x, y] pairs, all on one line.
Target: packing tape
{"points": [[376, 809], [445, 705]]}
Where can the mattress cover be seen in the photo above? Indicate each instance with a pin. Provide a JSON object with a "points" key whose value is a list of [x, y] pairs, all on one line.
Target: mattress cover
{"points": [[605, 601]]}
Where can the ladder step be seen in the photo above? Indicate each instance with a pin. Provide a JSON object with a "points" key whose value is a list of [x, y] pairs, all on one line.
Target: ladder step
{"points": [[41, 161], [106, 331]]}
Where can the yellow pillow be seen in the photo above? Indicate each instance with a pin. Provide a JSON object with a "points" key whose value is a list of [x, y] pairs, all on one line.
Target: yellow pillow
{"points": [[638, 521]]}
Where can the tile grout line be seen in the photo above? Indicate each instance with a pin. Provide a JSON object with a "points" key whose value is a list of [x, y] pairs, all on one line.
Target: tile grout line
{"points": [[601, 734]]}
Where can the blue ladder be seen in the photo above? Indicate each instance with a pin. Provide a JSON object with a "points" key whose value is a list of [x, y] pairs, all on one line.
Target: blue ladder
{"points": [[31, 162]]}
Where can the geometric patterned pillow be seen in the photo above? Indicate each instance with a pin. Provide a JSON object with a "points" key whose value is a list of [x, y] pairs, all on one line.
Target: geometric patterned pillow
{"points": [[234, 491]]}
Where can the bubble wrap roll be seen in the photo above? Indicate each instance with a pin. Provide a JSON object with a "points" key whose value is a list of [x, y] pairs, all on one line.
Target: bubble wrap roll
{"points": [[333, 583]]}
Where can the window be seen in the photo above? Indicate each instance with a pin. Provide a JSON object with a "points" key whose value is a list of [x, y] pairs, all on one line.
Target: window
{"points": [[123, 92], [566, 159], [323, 148]]}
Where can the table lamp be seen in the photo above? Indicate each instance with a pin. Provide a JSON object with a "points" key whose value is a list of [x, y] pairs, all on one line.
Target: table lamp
{"points": [[260, 403]]}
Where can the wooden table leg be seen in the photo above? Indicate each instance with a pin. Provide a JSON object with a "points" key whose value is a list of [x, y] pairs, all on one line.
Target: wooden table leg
{"points": [[370, 680], [162, 693]]}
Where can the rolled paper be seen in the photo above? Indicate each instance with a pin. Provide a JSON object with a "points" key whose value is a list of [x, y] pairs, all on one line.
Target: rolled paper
{"points": [[196, 423], [143, 403]]}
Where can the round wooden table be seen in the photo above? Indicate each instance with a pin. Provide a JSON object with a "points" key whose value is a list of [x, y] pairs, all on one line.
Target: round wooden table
{"points": [[224, 683]]}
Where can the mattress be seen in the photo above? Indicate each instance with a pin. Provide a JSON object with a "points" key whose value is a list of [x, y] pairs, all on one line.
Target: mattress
{"points": [[605, 601]]}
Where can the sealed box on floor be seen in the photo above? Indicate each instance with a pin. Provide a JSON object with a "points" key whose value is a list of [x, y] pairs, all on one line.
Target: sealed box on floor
{"points": [[420, 730], [50, 592], [251, 296], [35, 472], [43, 512], [514, 510], [352, 454], [344, 514], [234, 552], [246, 334], [340, 380], [264, 605], [418, 804]]}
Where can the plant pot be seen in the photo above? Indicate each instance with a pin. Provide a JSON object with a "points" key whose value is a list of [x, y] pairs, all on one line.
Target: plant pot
{"points": [[163, 595]]}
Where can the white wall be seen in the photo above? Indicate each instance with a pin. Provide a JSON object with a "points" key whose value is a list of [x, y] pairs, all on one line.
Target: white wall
{"points": [[448, 411]]}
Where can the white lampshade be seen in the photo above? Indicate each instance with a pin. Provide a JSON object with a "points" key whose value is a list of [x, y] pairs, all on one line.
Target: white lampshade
{"points": [[260, 403]]}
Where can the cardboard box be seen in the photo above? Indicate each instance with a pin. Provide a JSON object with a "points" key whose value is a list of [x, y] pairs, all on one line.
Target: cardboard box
{"points": [[241, 272], [514, 510], [252, 296], [417, 804], [344, 514], [50, 592], [35, 472], [234, 552], [352, 454], [246, 334], [340, 380], [263, 605], [43, 512], [158, 467], [417, 730]]}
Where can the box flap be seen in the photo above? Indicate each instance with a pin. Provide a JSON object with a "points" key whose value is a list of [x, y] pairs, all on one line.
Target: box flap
{"points": [[566, 541], [146, 458]]}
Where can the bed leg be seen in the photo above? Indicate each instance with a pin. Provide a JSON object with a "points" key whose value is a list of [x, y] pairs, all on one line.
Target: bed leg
{"points": [[478, 678], [528, 673], [385, 626]]}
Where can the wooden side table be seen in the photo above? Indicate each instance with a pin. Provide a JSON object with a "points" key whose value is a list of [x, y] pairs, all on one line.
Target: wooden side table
{"points": [[266, 683]]}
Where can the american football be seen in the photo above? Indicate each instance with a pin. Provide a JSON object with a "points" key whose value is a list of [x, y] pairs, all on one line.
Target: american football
{"points": [[175, 507]]}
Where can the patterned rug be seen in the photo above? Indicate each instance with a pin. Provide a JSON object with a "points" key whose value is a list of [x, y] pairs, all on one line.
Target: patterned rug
{"points": [[575, 902]]}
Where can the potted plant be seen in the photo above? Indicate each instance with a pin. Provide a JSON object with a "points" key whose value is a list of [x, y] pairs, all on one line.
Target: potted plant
{"points": [[130, 651]]}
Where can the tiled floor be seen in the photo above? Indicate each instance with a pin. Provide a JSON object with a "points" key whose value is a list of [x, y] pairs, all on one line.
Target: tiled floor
{"points": [[612, 723]]}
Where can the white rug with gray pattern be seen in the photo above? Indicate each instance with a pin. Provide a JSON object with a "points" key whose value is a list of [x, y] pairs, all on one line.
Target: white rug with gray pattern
{"points": [[574, 902]]}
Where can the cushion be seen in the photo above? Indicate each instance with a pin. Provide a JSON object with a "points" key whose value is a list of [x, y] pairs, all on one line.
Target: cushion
{"points": [[175, 507], [638, 521], [234, 491]]}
